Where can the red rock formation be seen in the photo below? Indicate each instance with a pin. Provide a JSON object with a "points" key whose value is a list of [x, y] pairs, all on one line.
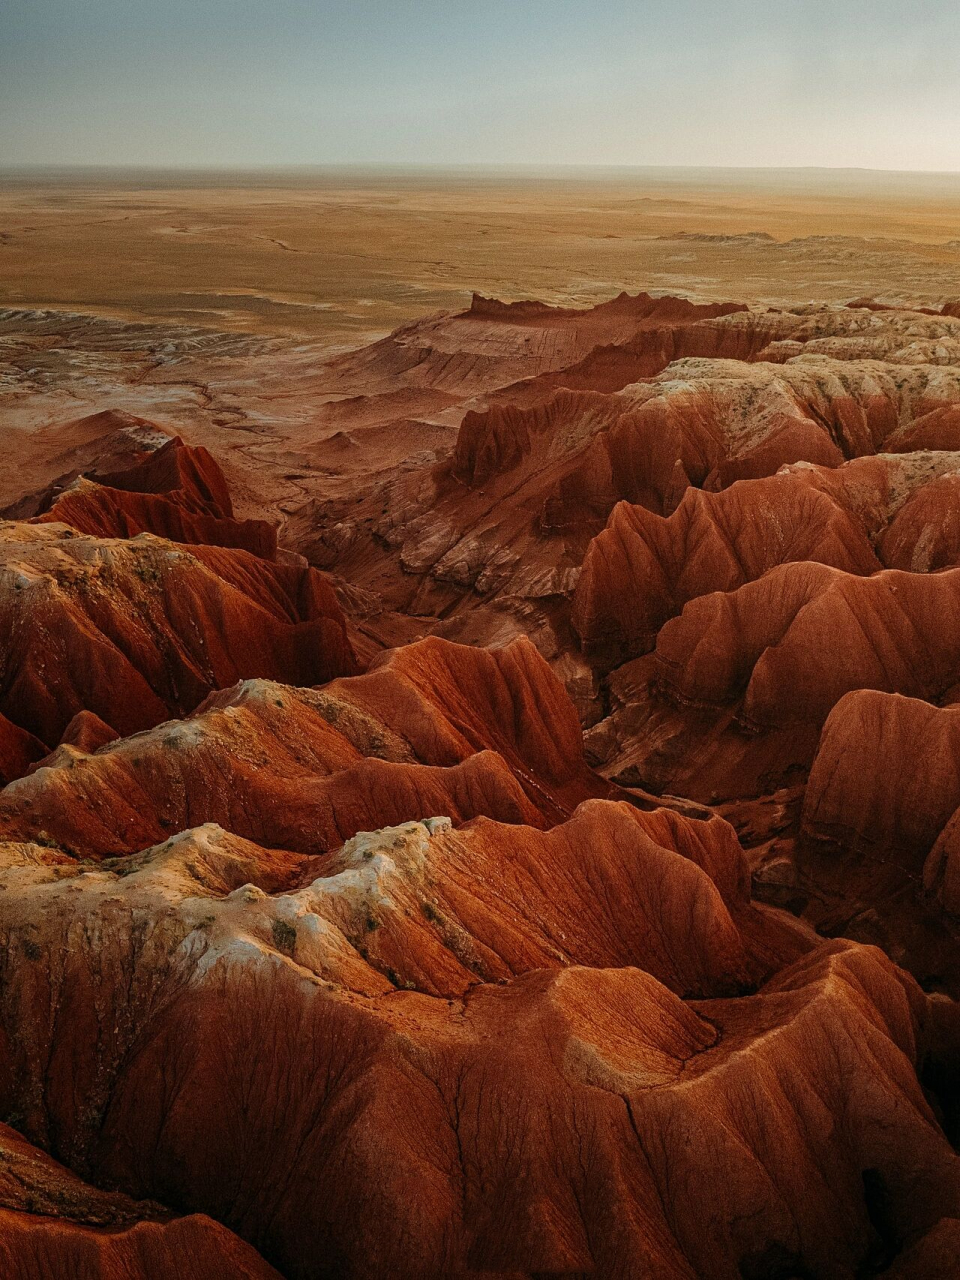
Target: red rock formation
{"points": [[886, 783], [87, 732], [792, 643], [384, 1080], [772, 656], [183, 473], [939, 429], [643, 568], [877, 854], [110, 442], [531, 481], [18, 750], [875, 490], [174, 490], [434, 727], [116, 513], [135, 631], [495, 344], [451, 700], [733, 698], [371, 972], [934, 1255], [886, 777], [52, 1224], [612, 367], [924, 536], [788, 441]]}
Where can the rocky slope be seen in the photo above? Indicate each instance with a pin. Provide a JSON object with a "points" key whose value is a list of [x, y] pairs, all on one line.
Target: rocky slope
{"points": [[538, 853], [54, 1224]]}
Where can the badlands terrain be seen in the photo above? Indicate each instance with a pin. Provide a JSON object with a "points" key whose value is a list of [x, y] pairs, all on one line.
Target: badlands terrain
{"points": [[481, 798]]}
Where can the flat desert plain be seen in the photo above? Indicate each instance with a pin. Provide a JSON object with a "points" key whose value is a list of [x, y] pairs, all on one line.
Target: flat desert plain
{"points": [[347, 255]]}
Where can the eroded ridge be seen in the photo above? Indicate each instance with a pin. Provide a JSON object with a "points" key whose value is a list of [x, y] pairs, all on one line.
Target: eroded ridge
{"points": [[535, 850]]}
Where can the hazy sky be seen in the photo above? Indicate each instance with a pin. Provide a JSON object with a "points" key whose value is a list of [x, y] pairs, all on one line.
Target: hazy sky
{"points": [[241, 82]]}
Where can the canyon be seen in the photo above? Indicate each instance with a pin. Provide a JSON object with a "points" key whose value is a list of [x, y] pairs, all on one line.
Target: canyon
{"points": [[483, 802]]}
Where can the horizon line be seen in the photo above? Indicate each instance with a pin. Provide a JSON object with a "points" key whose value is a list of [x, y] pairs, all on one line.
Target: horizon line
{"points": [[459, 166]]}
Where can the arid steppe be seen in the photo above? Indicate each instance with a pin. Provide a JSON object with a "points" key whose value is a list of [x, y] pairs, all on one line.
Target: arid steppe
{"points": [[345, 255]]}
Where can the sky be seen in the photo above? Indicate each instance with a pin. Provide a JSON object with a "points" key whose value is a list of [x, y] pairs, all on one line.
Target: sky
{"points": [[242, 83]]}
